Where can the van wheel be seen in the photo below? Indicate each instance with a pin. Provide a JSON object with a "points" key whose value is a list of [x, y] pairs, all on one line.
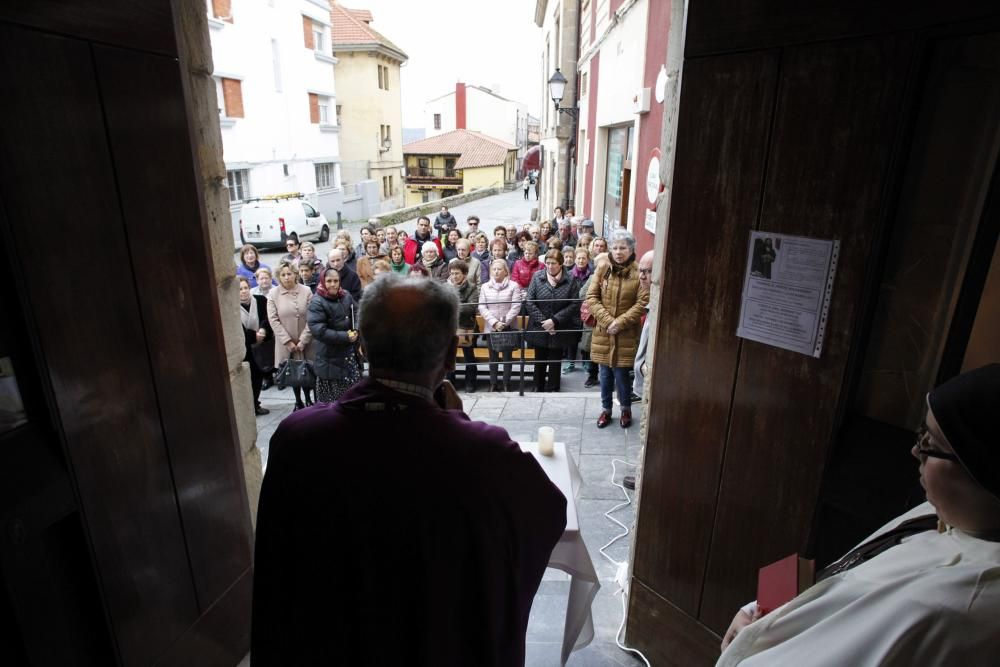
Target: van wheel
{"points": [[325, 234]]}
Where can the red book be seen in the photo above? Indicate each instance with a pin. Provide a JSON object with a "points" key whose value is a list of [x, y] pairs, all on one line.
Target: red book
{"points": [[781, 581]]}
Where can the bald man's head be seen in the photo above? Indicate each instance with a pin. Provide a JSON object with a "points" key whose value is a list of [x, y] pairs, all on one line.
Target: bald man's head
{"points": [[646, 270]]}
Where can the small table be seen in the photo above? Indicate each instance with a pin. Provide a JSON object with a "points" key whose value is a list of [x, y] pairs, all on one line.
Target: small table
{"points": [[570, 554]]}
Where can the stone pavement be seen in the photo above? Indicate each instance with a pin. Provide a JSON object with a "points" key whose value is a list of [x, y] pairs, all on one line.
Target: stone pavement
{"points": [[573, 414]]}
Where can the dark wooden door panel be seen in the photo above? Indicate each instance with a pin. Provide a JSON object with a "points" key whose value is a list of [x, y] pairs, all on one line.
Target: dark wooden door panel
{"points": [[151, 149], [58, 188], [835, 127], [722, 142], [725, 26], [145, 25]]}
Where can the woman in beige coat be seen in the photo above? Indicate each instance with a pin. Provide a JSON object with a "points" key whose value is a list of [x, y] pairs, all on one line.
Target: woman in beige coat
{"points": [[616, 301], [287, 307]]}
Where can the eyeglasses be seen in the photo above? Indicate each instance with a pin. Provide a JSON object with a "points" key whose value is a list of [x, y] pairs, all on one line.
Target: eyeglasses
{"points": [[928, 452]]}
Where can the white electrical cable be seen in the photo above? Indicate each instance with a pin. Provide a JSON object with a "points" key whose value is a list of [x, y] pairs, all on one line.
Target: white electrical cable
{"points": [[619, 566]]}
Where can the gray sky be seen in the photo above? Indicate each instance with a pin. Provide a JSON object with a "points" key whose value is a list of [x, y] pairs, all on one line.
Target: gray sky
{"points": [[492, 44]]}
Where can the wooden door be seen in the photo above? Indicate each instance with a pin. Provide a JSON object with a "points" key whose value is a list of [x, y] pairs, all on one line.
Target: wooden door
{"points": [[104, 238]]}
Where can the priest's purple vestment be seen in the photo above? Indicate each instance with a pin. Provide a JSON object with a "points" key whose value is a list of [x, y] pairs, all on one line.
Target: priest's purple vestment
{"points": [[393, 532]]}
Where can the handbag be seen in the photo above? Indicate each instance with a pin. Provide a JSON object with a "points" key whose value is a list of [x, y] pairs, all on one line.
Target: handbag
{"points": [[586, 316], [504, 341], [297, 373]]}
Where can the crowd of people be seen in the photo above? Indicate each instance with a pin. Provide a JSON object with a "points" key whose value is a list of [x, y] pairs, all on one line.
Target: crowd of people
{"points": [[555, 288]]}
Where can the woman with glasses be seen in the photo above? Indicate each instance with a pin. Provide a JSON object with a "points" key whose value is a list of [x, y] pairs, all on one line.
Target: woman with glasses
{"points": [[293, 248], [923, 590]]}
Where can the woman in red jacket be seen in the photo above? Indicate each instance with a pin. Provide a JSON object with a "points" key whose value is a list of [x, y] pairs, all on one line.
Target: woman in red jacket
{"points": [[527, 266]]}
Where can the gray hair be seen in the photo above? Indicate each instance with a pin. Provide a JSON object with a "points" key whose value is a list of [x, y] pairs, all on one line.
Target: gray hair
{"points": [[429, 313], [622, 235], [429, 245]]}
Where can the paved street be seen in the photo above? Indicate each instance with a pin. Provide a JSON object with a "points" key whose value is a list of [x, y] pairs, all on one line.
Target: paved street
{"points": [[503, 209], [573, 414]]}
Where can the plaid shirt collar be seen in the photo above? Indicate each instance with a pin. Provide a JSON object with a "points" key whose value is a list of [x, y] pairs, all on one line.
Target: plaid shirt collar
{"points": [[407, 388]]}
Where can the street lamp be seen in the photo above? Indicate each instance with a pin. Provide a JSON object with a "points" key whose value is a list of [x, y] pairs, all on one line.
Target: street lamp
{"points": [[386, 145], [557, 90]]}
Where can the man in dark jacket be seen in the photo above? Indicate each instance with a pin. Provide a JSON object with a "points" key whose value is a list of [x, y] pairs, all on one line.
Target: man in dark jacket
{"points": [[349, 280], [445, 558], [445, 222]]}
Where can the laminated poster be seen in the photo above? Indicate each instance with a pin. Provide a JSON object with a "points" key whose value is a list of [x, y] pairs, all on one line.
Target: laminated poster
{"points": [[786, 291]]}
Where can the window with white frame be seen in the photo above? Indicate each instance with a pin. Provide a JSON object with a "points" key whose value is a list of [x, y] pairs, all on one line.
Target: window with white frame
{"points": [[326, 177], [324, 110], [238, 181], [319, 37]]}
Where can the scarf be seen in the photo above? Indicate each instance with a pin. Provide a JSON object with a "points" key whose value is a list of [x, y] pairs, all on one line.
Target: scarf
{"points": [[619, 269], [248, 314], [431, 264], [554, 279], [321, 287], [398, 268], [581, 274]]}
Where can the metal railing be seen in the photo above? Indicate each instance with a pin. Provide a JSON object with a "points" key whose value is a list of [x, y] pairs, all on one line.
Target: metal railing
{"points": [[433, 172], [521, 346]]}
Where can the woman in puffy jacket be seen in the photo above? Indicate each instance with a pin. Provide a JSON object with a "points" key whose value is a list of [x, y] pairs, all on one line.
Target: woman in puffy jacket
{"points": [[617, 303], [554, 309], [499, 305], [527, 266], [332, 316]]}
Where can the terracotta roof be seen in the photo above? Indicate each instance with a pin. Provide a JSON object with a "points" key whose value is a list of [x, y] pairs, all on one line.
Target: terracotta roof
{"points": [[350, 28], [362, 15], [474, 149]]}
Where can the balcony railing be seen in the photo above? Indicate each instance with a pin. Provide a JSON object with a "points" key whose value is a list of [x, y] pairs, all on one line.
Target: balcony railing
{"points": [[428, 174]]}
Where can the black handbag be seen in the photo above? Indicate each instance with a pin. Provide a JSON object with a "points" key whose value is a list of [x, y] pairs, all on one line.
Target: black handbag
{"points": [[297, 373], [504, 341]]}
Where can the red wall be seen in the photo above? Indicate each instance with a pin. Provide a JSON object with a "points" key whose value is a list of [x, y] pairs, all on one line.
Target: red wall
{"points": [[650, 124], [459, 106]]}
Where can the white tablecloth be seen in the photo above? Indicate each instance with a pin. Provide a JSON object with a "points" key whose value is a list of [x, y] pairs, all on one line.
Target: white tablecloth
{"points": [[570, 554]]}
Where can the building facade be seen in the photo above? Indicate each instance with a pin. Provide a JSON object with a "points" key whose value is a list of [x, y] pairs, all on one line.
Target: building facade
{"points": [[456, 162], [480, 109], [274, 75], [369, 111], [559, 23]]}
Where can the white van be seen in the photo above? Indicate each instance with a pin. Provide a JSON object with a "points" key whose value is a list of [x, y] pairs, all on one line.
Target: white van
{"points": [[269, 221]]}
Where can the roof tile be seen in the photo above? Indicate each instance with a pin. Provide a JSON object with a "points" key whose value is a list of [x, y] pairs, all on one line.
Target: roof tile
{"points": [[475, 149]]}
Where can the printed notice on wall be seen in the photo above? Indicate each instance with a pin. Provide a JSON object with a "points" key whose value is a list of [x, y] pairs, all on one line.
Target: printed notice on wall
{"points": [[786, 291]]}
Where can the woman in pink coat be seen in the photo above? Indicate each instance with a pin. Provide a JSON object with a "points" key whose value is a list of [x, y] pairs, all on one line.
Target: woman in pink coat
{"points": [[287, 307], [499, 304]]}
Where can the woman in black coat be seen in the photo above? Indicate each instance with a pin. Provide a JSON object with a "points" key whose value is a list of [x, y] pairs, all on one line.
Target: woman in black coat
{"points": [[331, 320], [553, 316], [256, 329]]}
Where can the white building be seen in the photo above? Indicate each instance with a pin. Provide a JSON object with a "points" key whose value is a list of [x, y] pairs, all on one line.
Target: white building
{"points": [[273, 66], [479, 109]]}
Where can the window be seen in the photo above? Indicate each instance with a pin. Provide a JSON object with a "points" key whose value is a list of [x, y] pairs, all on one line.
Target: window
{"points": [[385, 77], [319, 109], [309, 210], [449, 167], [325, 176], [437, 121], [380, 83], [230, 97], [318, 44], [339, 107], [238, 181], [423, 168], [385, 186], [276, 64], [223, 10], [583, 84], [391, 189]]}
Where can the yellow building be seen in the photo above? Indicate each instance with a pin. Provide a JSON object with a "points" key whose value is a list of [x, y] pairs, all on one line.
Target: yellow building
{"points": [[369, 107], [456, 162]]}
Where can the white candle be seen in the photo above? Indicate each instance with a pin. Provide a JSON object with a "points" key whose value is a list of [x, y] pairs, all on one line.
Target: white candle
{"points": [[546, 440]]}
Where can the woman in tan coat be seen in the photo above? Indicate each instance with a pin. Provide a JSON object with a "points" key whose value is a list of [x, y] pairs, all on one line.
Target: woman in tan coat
{"points": [[617, 302], [287, 307]]}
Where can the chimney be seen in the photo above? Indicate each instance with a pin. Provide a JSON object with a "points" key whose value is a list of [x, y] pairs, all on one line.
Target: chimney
{"points": [[459, 106]]}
